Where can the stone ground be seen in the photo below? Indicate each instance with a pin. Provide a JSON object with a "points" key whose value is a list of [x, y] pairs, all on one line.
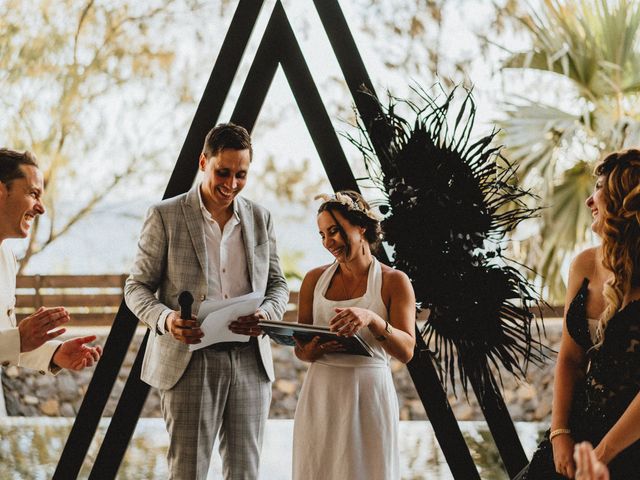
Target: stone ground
{"points": [[28, 393]]}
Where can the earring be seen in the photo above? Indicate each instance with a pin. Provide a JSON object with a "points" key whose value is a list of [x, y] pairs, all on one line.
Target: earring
{"points": [[362, 243]]}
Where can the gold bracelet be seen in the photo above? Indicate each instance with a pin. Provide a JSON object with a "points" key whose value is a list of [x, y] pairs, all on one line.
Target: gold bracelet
{"points": [[559, 431], [387, 330]]}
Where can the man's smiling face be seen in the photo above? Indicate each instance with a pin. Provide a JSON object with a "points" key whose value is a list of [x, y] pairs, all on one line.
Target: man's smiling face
{"points": [[21, 202]]}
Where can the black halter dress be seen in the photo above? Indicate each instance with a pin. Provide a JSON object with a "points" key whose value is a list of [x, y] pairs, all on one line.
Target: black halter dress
{"points": [[600, 398]]}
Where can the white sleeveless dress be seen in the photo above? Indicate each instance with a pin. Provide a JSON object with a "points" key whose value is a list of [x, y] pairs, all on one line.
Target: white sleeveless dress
{"points": [[347, 417]]}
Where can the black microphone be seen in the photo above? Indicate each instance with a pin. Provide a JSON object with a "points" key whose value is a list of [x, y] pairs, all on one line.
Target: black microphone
{"points": [[185, 300]]}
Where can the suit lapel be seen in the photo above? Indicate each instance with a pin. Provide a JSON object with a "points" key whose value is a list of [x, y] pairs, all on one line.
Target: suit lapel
{"points": [[245, 212], [195, 226]]}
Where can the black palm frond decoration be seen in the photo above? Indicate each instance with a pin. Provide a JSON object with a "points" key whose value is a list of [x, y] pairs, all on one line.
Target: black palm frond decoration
{"points": [[450, 203]]}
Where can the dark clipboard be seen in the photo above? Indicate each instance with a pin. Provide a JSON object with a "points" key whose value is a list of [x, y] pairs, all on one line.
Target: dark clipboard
{"points": [[283, 333]]}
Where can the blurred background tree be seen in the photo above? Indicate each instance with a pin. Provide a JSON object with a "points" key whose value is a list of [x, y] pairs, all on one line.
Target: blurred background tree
{"points": [[590, 50], [68, 72]]}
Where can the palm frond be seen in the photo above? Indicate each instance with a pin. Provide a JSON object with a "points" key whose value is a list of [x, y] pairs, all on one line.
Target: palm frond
{"points": [[447, 196]]}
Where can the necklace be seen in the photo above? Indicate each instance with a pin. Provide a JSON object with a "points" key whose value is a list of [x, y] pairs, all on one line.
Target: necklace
{"points": [[348, 295]]}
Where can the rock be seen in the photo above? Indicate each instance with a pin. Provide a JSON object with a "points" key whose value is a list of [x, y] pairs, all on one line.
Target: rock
{"points": [[526, 392], [464, 412], [48, 389], [66, 410], [397, 366], [405, 414], [27, 392], [286, 386], [516, 411], [543, 410], [30, 400], [50, 408], [67, 387]]}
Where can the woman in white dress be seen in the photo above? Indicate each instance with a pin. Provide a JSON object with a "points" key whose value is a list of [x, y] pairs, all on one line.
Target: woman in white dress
{"points": [[346, 421]]}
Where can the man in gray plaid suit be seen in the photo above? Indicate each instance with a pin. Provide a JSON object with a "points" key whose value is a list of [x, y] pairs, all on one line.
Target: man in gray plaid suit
{"points": [[217, 245]]}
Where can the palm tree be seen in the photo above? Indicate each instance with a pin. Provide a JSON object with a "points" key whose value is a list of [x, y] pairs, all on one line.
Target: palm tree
{"points": [[593, 45]]}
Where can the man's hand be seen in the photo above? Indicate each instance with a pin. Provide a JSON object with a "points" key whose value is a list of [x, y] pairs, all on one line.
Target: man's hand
{"points": [[185, 331], [75, 355], [248, 325], [37, 329]]}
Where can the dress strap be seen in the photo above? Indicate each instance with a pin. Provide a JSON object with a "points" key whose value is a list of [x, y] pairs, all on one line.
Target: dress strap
{"points": [[322, 285], [374, 282]]}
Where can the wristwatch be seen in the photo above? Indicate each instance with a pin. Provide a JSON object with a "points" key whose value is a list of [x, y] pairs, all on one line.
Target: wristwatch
{"points": [[388, 331]]}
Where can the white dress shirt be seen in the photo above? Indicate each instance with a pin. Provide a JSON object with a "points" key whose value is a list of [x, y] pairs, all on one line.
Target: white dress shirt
{"points": [[227, 270]]}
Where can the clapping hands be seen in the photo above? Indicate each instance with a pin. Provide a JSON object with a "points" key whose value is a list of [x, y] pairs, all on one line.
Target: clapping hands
{"points": [[38, 328], [74, 354]]}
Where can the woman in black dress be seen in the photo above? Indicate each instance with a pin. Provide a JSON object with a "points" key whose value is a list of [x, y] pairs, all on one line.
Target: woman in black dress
{"points": [[597, 380]]}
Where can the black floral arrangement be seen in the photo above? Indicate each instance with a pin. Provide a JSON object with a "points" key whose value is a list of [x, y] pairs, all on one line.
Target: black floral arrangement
{"points": [[449, 204]]}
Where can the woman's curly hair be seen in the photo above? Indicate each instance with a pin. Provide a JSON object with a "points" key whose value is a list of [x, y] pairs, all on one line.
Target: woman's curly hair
{"points": [[621, 230]]}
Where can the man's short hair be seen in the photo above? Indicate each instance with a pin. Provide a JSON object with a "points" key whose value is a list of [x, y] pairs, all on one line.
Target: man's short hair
{"points": [[226, 135], [10, 163]]}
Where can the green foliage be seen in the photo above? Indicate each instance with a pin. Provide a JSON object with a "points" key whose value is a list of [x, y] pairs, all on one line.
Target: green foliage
{"points": [[68, 70], [592, 46]]}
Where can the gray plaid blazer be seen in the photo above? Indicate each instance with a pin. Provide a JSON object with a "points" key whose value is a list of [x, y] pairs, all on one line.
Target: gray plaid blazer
{"points": [[172, 258]]}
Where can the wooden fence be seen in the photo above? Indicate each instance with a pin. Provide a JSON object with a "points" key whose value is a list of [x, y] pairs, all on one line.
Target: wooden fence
{"points": [[90, 299], [94, 299]]}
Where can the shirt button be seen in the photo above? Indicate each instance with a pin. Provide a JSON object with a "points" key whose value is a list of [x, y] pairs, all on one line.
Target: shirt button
{"points": [[202, 297], [224, 270], [9, 312], [41, 372], [226, 296]]}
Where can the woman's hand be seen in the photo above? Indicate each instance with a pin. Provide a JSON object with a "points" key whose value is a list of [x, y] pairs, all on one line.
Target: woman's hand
{"points": [[349, 321], [588, 467], [313, 350], [563, 455]]}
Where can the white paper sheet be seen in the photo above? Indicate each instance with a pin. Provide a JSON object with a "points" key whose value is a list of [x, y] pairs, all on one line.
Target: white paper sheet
{"points": [[216, 315]]}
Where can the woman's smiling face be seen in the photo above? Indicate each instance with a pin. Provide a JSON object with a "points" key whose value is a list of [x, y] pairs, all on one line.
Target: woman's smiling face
{"points": [[333, 241], [596, 203]]}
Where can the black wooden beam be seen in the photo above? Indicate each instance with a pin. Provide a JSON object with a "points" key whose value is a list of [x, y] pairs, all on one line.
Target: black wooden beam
{"points": [[215, 93], [312, 108], [421, 367], [258, 81], [349, 59], [97, 394], [280, 47], [502, 429], [135, 392], [123, 423], [434, 399]]}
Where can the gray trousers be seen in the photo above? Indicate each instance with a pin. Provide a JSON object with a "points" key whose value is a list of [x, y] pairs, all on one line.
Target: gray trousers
{"points": [[220, 392]]}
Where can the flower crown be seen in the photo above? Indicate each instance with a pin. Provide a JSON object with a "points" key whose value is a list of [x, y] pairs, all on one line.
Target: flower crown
{"points": [[350, 203]]}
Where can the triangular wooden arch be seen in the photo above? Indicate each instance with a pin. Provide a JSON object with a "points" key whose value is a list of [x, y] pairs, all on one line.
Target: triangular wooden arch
{"points": [[278, 47]]}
